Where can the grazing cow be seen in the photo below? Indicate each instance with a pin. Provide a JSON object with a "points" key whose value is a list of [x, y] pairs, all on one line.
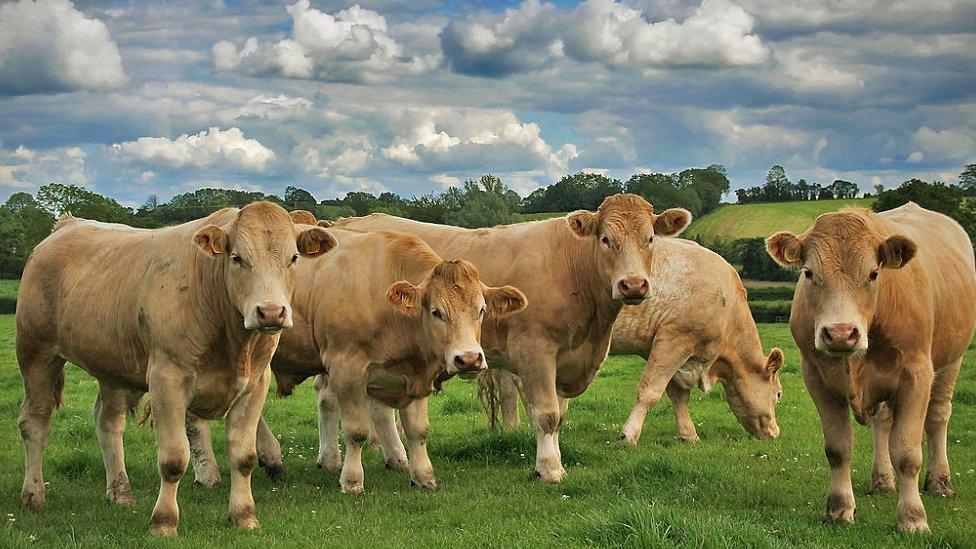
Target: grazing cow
{"points": [[577, 271], [694, 328], [190, 314], [383, 316], [883, 312]]}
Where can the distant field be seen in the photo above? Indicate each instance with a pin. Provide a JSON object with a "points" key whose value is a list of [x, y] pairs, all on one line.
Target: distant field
{"points": [[9, 288], [751, 220]]}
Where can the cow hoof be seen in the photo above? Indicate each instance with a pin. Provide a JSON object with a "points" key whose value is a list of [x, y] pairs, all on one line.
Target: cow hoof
{"points": [[275, 471], [552, 477], [914, 526], [630, 439], [163, 530], [247, 522], [839, 516], [207, 482], [689, 438], [32, 500], [329, 463], [355, 488], [430, 484], [121, 497], [397, 464], [940, 486], [882, 484]]}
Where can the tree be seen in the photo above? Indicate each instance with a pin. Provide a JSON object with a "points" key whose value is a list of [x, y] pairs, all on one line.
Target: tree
{"points": [[361, 202], [483, 203], [967, 180], [580, 191], [58, 199], [299, 199], [934, 196]]}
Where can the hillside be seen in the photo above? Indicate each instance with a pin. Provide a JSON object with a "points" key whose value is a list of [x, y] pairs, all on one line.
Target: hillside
{"points": [[751, 220]]}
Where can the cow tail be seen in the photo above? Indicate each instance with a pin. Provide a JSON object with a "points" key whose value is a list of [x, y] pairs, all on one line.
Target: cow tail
{"points": [[59, 388], [145, 415], [489, 397]]}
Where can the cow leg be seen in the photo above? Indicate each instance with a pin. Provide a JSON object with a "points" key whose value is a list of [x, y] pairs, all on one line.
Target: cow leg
{"points": [[330, 456], [205, 470], [348, 381], [384, 424], [508, 393], [937, 476], [242, 426], [679, 397], [269, 451], [907, 426], [882, 473], [43, 375], [417, 426], [111, 405], [168, 395], [835, 423], [668, 353], [543, 407]]}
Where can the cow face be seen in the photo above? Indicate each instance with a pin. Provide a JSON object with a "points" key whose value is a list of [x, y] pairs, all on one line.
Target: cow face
{"points": [[623, 231], [451, 304], [259, 250], [753, 394], [843, 258]]}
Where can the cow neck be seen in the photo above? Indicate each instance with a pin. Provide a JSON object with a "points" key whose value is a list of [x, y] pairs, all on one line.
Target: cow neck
{"points": [[585, 282], [741, 346]]}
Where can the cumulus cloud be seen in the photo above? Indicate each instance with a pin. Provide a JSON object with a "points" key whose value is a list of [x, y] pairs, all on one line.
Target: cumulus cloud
{"points": [[472, 138], [947, 143], [741, 137], [808, 71], [342, 154], [354, 45], [533, 36], [26, 169], [48, 46], [212, 147]]}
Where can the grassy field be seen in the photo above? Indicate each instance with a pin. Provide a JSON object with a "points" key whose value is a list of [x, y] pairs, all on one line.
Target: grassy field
{"points": [[9, 288], [728, 490], [733, 221]]}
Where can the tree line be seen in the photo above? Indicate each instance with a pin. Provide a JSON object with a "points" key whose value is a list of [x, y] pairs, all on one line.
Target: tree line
{"points": [[779, 188], [26, 219]]}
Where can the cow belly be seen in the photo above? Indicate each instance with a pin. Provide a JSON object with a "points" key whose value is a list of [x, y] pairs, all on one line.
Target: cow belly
{"points": [[689, 375]]}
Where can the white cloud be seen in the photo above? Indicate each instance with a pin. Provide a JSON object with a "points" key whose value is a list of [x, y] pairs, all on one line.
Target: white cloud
{"points": [[742, 138], [49, 46], [471, 138], [444, 181], [212, 147], [535, 35], [808, 71], [354, 45], [915, 157], [27, 169], [343, 154], [947, 143]]}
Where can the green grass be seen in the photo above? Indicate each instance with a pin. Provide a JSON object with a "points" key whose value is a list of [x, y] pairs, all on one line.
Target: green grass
{"points": [[728, 490], [9, 288], [733, 221]]}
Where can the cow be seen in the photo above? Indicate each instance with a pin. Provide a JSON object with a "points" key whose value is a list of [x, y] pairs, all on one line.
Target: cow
{"points": [[577, 271], [884, 309], [694, 328], [377, 320], [190, 314]]}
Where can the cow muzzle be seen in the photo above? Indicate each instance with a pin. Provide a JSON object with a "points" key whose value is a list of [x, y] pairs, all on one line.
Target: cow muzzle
{"points": [[467, 363], [839, 339], [632, 289], [269, 317]]}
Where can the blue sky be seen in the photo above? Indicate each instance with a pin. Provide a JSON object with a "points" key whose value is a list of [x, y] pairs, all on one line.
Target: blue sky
{"points": [[139, 98]]}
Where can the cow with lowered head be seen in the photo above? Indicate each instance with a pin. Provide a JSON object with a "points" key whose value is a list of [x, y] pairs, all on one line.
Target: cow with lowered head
{"points": [[884, 309]]}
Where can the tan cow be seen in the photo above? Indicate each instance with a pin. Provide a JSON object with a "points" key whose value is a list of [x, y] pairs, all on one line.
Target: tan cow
{"points": [[883, 312], [190, 314], [694, 328], [383, 316], [577, 272]]}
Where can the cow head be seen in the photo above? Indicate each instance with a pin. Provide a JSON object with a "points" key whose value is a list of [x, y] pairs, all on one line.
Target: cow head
{"points": [[752, 391], [259, 249], [623, 231], [451, 304], [843, 258]]}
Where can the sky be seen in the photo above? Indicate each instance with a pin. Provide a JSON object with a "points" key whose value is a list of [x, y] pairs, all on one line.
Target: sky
{"points": [[133, 99]]}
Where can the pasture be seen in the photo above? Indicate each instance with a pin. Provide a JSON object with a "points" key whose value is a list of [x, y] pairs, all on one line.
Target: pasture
{"points": [[731, 221], [728, 490]]}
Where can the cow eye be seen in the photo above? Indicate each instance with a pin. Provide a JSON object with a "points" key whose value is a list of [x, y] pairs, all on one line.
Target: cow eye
{"points": [[436, 313], [779, 395], [481, 313], [294, 258], [808, 273], [605, 241], [873, 276], [650, 239], [237, 259]]}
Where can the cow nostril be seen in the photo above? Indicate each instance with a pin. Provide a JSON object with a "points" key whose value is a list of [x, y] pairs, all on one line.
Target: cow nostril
{"points": [[645, 286], [282, 314], [825, 334], [854, 335], [623, 286], [261, 314]]}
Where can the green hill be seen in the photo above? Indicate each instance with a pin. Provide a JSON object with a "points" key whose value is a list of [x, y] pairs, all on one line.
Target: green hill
{"points": [[751, 220]]}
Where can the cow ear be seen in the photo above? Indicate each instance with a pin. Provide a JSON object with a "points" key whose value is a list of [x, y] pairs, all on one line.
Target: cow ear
{"points": [[315, 242], [504, 300], [405, 297], [785, 248], [896, 251], [774, 361], [325, 223], [672, 221], [582, 222], [302, 217], [211, 239]]}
